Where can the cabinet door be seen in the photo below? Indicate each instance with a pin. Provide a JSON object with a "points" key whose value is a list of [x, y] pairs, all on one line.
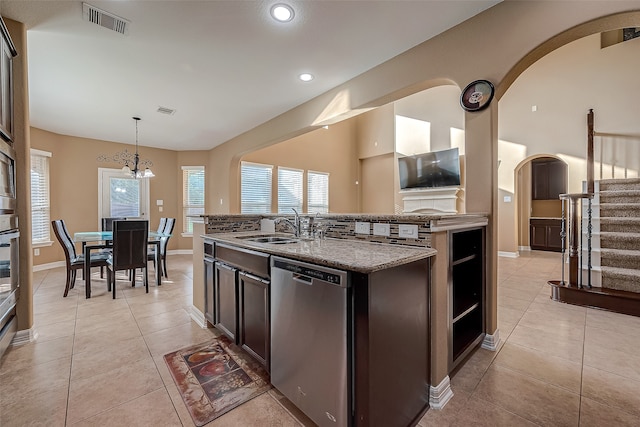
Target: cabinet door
{"points": [[209, 279], [557, 177], [538, 236], [254, 316], [539, 180], [554, 241], [225, 296]]}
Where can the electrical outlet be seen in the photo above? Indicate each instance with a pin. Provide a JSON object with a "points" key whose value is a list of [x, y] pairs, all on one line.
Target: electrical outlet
{"points": [[408, 231], [159, 208], [381, 229], [36, 251], [363, 227]]}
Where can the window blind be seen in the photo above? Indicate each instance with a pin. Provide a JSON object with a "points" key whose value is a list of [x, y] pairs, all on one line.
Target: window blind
{"points": [[255, 191], [192, 195], [40, 200], [317, 192], [289, 190]]}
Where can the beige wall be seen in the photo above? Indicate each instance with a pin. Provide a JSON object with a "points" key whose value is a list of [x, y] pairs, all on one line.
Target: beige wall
{"points": [[74, 184], [377, 183], [331, 150]]}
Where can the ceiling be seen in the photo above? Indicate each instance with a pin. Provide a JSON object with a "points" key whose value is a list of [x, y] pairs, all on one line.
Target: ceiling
{"points": [[224, 66]]}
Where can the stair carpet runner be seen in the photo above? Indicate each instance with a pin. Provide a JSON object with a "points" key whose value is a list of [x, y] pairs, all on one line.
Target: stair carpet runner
{"points": [[620, 234]]}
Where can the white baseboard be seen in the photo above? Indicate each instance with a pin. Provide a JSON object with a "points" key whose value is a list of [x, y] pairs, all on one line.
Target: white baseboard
{"points": [[180, 252], [508, 254], [198, 317], [491, 342], [441, 394], [49, 266], [524, 248], [24, 336]]}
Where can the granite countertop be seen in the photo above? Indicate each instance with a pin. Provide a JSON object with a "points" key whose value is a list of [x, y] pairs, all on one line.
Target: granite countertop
{"points": [[363, 257]]}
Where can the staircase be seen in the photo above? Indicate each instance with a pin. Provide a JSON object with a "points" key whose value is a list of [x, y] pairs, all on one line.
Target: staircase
{"points": [[619, 203]]}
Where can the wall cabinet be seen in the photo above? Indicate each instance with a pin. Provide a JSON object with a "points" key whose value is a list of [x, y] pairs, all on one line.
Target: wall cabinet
{"points": [[467, 285], [7, 53], [548, 179], [544, 234]]}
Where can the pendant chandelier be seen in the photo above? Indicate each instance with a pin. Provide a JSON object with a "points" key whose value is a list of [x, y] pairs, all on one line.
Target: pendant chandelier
{"points": [[133, 166]]}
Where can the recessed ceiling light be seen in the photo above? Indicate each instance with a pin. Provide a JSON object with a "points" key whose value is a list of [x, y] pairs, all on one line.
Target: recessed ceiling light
{"points": [[282, 12], [306, 77]]}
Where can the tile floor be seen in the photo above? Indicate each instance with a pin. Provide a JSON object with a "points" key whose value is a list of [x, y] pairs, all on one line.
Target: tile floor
{"points": [[99, 362]]}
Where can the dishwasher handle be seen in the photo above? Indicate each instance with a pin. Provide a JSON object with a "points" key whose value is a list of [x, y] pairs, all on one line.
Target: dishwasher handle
{"points": [[300, 278], [306, 273]]}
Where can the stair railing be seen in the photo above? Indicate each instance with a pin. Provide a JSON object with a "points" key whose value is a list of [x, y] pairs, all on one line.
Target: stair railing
{"points": [[572, 206]]}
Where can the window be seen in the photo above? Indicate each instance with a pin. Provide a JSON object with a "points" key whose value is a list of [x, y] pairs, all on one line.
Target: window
{"points": [[255, 191], [125, 198], [289, 190], [192, 195], [40, 206], [317, 192]]}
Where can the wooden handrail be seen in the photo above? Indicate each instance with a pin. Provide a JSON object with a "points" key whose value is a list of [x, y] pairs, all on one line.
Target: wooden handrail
{"points": [[590, 159]]}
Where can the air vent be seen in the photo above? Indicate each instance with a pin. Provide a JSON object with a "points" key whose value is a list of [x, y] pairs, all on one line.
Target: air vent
{"points": [[105, 19], [165, 110]]}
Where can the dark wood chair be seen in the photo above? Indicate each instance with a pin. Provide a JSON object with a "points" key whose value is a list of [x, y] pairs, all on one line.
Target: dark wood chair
{"points": [[107, 225], [129, 251], [74, 262], [169, 223]]}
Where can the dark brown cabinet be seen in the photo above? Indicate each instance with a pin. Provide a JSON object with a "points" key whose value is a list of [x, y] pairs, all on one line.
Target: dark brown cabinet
{"points": [[548, 179], [241, 298], [225, 296], [544, 234], [466, 292], [254, 316]]}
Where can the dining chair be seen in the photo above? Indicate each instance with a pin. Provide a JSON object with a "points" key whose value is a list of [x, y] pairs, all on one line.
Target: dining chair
{"points": [[74, 262], [169, 223], [129, 251], [107, 225]]}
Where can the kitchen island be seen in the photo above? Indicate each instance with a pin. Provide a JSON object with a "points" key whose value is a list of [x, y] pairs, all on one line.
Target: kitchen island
{"points": [[384, 331], [461, 293]]}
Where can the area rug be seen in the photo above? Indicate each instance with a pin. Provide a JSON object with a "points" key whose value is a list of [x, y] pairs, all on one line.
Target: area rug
{"points": [[215, 377]]}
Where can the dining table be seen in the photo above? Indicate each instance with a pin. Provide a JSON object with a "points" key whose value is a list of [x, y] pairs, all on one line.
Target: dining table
{"points": [[101, 240]]}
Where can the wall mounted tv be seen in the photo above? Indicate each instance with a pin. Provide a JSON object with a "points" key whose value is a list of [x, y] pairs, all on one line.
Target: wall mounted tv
{"points": [[429, 170]]}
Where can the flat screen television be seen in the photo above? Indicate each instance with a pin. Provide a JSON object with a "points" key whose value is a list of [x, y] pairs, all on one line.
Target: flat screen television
{"points": [[429, 170]]}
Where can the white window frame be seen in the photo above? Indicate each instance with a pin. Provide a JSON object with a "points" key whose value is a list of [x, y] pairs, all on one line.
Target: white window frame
{"points": [[186, 206], [309, 192], [267, 191], [290, 187], [45, 240]]}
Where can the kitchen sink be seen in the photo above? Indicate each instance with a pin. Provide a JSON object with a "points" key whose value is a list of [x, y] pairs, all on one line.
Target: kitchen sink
{"points": [[272, 239]]}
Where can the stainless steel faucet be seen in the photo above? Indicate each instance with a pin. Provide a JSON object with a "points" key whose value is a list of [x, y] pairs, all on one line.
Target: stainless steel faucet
{"points": [[295, 225]]}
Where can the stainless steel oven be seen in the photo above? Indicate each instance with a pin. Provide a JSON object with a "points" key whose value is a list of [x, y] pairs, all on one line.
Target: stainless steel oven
{"points": [[7, 178], [9, 257]]}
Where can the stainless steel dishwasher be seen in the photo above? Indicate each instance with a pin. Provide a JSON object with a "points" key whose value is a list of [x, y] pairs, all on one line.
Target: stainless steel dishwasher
{"points": [[309, 331]]}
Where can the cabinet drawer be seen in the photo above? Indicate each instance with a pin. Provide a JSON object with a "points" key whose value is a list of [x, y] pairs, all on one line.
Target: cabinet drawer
{"points": [[246, 260]]}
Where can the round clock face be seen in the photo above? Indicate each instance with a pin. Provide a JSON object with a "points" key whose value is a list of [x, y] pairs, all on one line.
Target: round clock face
{"points": [[477, 95]]}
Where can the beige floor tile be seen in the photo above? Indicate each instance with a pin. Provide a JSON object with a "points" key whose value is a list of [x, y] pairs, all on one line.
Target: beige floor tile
{"points": [[175, 338], [91, 396], [553, 327], [34, 379], [477, 412], [595, 414], [106, 336], [538, 364], [172, 390], [467, 377], [615, 322], [618, 340], [152, 409], [47, 408], [611, 389], [64, 315], [517, 294], [49, 331], [446, 416], [103, 320], [561, 345], [259, 411], [162, 321], [89, 363], [27, 355], [614, 361], [534, 400], [518, 304]]}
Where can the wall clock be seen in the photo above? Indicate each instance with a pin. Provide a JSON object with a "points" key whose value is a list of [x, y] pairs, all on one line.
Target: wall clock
{"points": [[477, 95]]}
